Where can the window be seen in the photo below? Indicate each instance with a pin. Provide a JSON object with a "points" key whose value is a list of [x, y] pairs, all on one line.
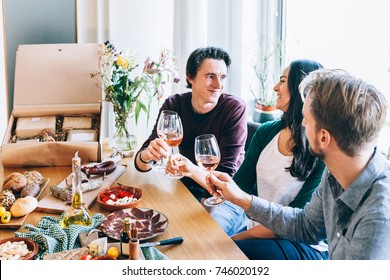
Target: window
{"points": [[351, 35]]}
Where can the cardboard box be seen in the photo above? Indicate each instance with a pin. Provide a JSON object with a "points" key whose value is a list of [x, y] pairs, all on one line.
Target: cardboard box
{"points": [[54, 80]]}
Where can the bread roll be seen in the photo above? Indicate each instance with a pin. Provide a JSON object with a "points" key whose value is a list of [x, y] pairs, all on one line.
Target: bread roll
{"points": [[24, 205], [33, 177], [30, 190], [7, 198], [15, 182]]}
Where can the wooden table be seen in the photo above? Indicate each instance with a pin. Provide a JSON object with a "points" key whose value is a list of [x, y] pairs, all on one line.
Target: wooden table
{"points": [[203, 238]]}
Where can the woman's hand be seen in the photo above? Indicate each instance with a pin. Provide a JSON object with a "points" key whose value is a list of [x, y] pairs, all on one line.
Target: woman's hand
{"points": [[179, 163]]}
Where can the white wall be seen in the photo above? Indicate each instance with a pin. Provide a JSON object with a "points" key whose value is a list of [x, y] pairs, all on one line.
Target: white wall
{"points": [[144, 27]]}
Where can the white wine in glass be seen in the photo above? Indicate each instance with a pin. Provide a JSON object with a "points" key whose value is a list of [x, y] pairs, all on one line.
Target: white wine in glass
{"points": [[172, 134], [208, 156], [160, 166]]}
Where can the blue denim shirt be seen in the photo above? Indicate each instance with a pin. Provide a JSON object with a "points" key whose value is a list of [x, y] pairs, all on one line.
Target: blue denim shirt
{"points": [[355, 221]]}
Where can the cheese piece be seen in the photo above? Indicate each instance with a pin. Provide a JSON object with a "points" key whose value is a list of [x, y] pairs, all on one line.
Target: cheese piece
{"points": [[77, 122], [30, 127], [98, 247]]}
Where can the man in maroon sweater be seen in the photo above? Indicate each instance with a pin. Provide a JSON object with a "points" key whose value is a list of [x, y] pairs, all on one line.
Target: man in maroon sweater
{"points": [[204, 110]]}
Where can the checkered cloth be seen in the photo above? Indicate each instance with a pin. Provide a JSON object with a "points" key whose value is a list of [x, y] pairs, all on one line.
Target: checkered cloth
{"points": [[51, 238], [151, 253]]}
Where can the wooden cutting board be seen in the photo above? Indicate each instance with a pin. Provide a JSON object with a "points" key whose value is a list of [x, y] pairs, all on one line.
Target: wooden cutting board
{"points": [[16, 223], [51, 204]]}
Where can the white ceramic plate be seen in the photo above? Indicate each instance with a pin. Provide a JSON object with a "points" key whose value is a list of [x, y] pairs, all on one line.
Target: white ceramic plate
{"points": [[150, 223]]}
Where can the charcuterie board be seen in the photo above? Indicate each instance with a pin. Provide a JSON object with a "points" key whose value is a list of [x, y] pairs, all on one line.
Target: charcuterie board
{"points": [[16, 223], [52, 204]]}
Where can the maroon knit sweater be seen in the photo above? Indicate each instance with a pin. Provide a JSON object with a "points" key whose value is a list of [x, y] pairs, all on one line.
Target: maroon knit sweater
{"points": [[227, 121]]}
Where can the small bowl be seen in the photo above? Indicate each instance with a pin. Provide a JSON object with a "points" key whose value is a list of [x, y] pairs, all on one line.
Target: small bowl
{"points": [[136, 192], [31, 245]]}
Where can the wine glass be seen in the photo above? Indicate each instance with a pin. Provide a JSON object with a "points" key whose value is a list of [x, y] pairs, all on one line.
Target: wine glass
{"points": [[208, 156], [159, 166], [172, 134]]}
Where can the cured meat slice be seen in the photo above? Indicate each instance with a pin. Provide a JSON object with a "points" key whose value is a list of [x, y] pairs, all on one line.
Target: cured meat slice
{"points": [[157, 230], [143, 235], [138, 213], [159, 224], [156, 218], [148, 214]]}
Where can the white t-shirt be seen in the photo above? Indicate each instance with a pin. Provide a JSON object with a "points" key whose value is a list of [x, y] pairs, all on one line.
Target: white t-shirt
{"points": [[274, 182]]}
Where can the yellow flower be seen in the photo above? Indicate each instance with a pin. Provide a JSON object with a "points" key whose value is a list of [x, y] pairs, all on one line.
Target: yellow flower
{"points": [[122, 61]]}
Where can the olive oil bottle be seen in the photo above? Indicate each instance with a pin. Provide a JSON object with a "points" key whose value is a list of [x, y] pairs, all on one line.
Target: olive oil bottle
{"points": [[125, 238], [77, 214]]}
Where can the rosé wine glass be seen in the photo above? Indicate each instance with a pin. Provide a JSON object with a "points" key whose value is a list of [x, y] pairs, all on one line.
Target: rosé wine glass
{"points": [[172, 134], [208, 156], [160, 166]]}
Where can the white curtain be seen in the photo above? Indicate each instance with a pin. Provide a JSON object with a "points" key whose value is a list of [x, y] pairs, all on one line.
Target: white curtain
{"points": [[184, 25]]}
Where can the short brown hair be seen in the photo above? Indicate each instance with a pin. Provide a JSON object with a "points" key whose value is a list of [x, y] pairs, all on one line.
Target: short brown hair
{"points": [[352, 110]]}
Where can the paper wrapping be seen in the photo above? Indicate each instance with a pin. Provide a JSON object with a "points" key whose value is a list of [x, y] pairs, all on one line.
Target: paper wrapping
{"points": [[30, 127]]}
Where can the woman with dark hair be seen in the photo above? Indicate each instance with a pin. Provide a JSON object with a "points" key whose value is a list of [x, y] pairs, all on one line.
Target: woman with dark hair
{"points": [[278, 165]]}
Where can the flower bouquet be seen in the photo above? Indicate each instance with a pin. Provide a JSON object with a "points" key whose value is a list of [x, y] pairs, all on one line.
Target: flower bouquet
{"points": [[129, 96]]}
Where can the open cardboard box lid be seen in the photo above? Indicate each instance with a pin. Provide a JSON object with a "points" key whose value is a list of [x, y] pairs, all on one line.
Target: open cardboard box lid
{"points": [[56, 77]]}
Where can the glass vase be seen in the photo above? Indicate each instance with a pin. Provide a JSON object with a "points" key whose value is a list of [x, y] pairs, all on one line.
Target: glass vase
{"points": [[122, 138]]}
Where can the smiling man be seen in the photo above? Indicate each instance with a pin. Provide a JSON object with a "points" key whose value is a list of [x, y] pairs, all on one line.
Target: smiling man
{"points": [[207, 109]]}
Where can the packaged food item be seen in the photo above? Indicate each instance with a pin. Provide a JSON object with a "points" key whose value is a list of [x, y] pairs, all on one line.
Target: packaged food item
{"points": [[77, 123], [82, 135], [29, 127]]}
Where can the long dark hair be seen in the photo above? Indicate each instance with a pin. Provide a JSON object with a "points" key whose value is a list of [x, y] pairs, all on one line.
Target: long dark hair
{"points": [[303, 162]]}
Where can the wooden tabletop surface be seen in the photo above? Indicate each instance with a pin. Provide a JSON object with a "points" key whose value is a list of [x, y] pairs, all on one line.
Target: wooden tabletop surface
{"points": [[203, 238]]}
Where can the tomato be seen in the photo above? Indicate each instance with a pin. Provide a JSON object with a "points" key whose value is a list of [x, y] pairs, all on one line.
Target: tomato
{"points": [[6, 217], [86, 257], [2, 211], [123, 194]]}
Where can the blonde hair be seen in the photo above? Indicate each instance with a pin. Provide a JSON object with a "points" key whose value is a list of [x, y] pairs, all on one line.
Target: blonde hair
{"points": [[352, 110]]}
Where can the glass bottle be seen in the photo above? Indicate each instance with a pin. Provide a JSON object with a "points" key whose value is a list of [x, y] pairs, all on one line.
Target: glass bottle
{"points": [[124, 238], [77, 214]]}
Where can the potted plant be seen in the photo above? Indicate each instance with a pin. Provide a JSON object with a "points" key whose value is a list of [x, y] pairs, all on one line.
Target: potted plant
{"points": [[267, 68]]}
